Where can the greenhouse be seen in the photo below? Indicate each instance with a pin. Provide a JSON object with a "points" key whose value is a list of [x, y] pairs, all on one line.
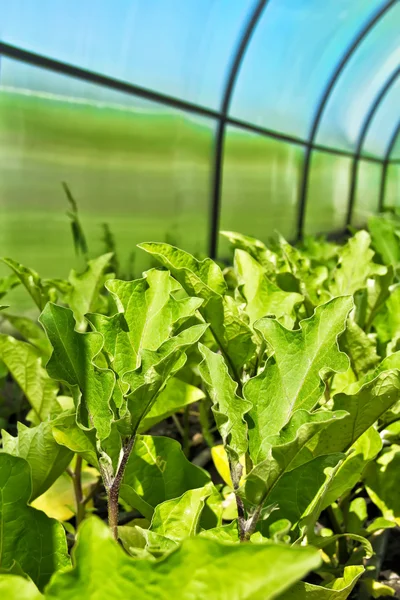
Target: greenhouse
{"points": [[199, 276]]}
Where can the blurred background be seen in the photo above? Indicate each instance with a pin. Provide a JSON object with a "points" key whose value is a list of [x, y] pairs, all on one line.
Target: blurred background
{"points": [[172, 119]]}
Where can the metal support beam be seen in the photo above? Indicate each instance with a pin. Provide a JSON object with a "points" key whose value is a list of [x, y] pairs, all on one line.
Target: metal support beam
{"points": [[215, 209]]}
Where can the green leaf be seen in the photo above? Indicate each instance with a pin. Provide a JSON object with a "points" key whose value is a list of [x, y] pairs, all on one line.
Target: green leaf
{"points": [[15, 587], [298, 491], [24, 363], [28, 536], [67, 433], [179, 518], [258, 250], [382, 483], [7, 284], [205, 280], [176, 395], [38, 447], [291, 378], [280, 452], [197, 276], [199, 569], [385, 239], [364, 408], [156, 368], [310, 278], [355, 265], [364, 449], [147, 315], [40, 291], [157, 470], [227, 534], [59, 502], [31, 331], [360, 348], [72, 362], [263, 297], [85, 288], [338, 589], [387, 321], [228, 408]]}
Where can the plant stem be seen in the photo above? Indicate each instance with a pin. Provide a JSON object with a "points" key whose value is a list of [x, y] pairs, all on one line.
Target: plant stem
{"points": [[80, 502], [236, 472], [186, 432], [343, 554], [113, 490]]}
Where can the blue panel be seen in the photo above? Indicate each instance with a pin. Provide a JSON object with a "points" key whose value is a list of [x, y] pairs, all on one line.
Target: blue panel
{"points": [[182, 48], [361, 82], [294, 51], [381, 129]]}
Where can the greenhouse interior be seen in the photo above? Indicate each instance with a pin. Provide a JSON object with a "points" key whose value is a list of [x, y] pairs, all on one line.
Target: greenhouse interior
{"points": [[199, 277]]}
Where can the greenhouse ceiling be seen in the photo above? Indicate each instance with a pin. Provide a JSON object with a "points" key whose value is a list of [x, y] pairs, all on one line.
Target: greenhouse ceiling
{"points": [[320, 77]]}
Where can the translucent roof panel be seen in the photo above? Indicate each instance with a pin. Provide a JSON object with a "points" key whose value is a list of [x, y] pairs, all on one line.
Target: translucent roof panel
{"points": [[363, 78], [381, 128], [291, 57], [183, 48]]}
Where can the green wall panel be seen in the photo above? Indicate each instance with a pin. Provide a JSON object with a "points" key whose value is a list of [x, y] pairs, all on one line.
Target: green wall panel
{"points": [[142, 168], [392, 192], [260, 185], [369, 177], [328, 192]]}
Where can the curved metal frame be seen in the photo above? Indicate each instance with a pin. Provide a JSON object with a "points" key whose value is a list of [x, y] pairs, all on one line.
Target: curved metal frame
{"points": [[322, 105], [385, 166], [215, 208], [361, 138]]}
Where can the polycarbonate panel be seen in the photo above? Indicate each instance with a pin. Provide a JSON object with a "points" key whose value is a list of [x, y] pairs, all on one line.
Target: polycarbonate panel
{"points": [[183, 48], [291, 57], [392, 191], [142, 168], [363, 78], [260, 186], [381, 129], [395, 155], [369, 176], [328, 193]]}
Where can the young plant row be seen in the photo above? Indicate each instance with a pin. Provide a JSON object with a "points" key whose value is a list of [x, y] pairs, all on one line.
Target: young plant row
{"points": [[290, 360]]}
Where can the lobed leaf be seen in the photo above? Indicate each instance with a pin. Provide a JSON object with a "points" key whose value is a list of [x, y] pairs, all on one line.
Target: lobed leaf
{"points": [[28, 536], [24, 363], [291, 378], [228, 408], [72, 362], [200, 568], [37, 446], [157, 470], [263, 297]]}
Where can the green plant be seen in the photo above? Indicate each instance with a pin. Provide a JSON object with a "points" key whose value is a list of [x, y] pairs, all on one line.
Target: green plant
{"points": [[296, 352]]}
